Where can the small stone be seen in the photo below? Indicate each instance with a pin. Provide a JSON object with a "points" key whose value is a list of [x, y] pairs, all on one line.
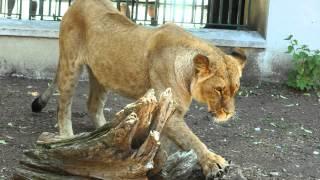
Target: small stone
{"points": [[257, 129], [107, 109], [257, 142], [273, 124], [274, 173], [315, 152]]}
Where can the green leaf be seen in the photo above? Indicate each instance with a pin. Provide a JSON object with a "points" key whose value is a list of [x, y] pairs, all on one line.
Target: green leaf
{"points": [[290, 49], [289, 37], [294, 42], [303, 55], [3, 141]]}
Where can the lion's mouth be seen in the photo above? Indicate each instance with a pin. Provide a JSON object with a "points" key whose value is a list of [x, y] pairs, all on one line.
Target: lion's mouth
{"points": [[220, 116]]}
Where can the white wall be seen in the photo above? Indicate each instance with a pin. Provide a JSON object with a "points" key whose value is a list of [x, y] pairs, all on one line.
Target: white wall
{"points": [[296, 17], [32, 57]]}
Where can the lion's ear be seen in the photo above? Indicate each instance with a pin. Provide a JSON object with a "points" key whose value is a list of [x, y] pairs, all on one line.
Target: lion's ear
{"points": [[201, 63], [240, 55]]}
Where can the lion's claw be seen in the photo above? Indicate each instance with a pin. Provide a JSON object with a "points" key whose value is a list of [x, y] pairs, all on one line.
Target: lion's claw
{"points": [[215, 167]]}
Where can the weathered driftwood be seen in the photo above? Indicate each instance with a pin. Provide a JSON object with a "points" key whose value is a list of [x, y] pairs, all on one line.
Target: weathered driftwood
{"points": [[124, 148]]}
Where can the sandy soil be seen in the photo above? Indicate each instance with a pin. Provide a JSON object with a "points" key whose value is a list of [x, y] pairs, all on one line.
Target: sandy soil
{"points": [[275, 134]]}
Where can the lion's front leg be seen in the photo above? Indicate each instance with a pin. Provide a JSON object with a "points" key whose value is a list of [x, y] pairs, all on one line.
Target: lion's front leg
{"points": [[213, 165]]}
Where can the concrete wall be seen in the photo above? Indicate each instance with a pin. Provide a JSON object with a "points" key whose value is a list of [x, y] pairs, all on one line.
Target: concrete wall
{"points": [[259, 16], [296, 17], [33, 57]]}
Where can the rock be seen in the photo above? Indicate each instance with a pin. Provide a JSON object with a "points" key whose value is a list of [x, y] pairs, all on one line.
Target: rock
{"points": [[274, 173]]}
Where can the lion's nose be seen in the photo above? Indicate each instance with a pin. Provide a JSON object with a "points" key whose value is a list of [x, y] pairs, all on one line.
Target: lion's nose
{"points": [[226, 112]]}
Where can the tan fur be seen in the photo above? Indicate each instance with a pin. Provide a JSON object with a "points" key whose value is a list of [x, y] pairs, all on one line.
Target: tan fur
{"points": [[129, 59]]}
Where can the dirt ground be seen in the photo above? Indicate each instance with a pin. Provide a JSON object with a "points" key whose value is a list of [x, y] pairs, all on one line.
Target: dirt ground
{"points": [[275, 134]]}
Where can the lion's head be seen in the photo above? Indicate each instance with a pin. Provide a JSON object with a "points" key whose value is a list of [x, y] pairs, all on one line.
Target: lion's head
{"points": [[216, 81]]}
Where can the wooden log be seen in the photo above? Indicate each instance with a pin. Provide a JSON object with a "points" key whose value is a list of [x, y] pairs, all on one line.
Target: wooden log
{"points": [[125, 148]]}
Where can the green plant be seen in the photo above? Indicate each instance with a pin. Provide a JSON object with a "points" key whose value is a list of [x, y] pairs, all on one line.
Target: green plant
{"points": [[305, 74]]}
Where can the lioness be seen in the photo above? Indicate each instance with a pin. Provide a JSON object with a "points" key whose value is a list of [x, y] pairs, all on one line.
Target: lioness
{"points": [[129, 59]]}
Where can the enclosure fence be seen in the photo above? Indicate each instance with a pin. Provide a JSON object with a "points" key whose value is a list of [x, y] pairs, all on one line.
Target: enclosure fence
{"points": [[227, 14]]}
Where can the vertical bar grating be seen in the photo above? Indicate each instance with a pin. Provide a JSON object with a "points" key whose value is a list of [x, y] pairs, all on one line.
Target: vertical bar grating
{"points": [[50, 1], [30, 9], [183, 10], [132, 8], [230, 11], [220, 12], [156, 12], [164, 12], [128, 9], [41, 9], [239, 13], [136, 14], [146, 11], [173, 10], [59, 10], [118, 5], [193, 11], [247, 11], [202, 11], [20, 11]]}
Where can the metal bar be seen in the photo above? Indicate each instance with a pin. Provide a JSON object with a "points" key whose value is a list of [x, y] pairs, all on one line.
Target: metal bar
{"points": [[41, 9], [30, 2], [239, 12], [59, 10], [247, 11], [128, 9], [5, 2], [220, 11], [230, 11], [202, 11], [183, 10], [20, 10], [136, 14], [118, 5], [132, 8], [156, 12], [164, 12], [55, 10], [69, 2], [193, 10], [50, 1], [146, 11], [173, 11]]}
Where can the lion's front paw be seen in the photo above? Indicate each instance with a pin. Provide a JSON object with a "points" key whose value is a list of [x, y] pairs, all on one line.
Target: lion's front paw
{"points": [[214, 166], [47, 137]]}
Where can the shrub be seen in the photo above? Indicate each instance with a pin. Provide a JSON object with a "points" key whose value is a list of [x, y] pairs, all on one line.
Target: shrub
{"points": [[305, 74]]}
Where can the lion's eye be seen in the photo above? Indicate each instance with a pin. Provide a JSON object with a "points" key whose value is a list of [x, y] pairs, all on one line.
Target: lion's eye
{"points": [[219, 90]]}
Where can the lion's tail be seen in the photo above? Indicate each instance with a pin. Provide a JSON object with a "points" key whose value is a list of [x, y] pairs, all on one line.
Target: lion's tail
{"points": [[41, 101]]}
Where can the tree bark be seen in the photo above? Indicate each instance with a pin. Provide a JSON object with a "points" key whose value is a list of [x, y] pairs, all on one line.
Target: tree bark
{"points": [[124, 148]]}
